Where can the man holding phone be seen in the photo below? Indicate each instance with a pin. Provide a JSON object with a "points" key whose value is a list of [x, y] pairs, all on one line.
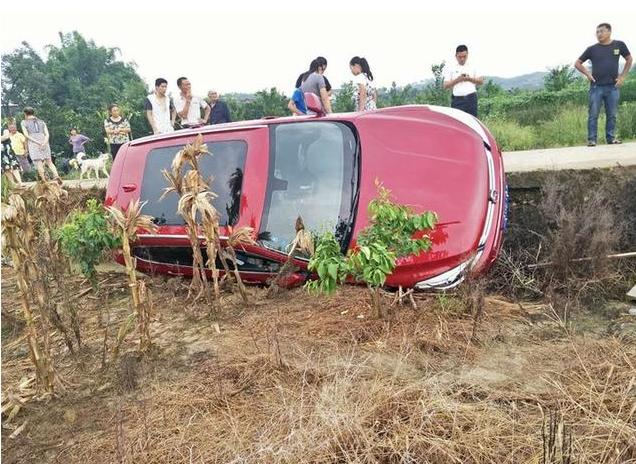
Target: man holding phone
{"points": [[463, 79]]}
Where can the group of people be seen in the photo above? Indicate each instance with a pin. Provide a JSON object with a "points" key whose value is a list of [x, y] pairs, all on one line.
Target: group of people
{"points": [[192, 111], [365, 95], [162, 111], [31, 146], [32, 143]]}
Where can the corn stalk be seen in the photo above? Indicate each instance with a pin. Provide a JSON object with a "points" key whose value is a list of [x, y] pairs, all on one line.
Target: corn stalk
{"points": [[210, 223], [303, 243], [126, 224], [238, 238], [18, 232], [193, 197], [49, 199]]}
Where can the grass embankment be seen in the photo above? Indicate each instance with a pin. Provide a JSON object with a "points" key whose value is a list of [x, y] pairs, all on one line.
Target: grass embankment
{"points": [[567, 127]]}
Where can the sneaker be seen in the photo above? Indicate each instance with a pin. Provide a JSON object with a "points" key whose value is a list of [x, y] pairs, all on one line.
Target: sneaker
{"points": [[614, 142], [591, 143]]}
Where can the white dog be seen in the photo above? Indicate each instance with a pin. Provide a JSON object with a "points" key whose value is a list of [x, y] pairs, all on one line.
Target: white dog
{"points": [[91, 164]]}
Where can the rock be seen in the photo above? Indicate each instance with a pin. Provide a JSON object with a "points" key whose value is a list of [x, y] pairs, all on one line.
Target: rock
{"points": [[632, 293]]}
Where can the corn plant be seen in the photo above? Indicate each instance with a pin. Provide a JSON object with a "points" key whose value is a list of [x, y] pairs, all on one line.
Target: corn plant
{"points": [[210, 227], [194, 196], [239, 238], [394, 231], [50, 199], [126, 224], [19, 234], [302, 244]]}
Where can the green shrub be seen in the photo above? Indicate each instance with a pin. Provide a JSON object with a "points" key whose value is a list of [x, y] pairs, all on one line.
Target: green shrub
{"points": [[568, 128], [511, 136], [626, 121], [86, 236], [394, 231]]}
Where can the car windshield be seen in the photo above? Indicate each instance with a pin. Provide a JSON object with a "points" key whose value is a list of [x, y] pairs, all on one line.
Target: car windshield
{"points": [[225, 166], [312, 174]]}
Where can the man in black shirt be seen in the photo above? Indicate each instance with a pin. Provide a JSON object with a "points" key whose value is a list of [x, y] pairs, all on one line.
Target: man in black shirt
{"points": [[220, 113], [604, 80]]}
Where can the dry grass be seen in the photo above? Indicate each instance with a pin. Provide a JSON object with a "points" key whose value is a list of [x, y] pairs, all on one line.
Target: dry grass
{"points": [[307, 379], [469, 377], [565, 217]]}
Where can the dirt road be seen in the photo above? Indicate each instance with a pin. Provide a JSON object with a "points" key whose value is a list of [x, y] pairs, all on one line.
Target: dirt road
{"points": [[601, 156]]}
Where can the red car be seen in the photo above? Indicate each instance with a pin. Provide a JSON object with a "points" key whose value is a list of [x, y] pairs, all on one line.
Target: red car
{"points": [[323, 168]]}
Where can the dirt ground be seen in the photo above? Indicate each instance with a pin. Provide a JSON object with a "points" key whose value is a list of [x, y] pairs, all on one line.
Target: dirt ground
{"points": [[303, 378]]}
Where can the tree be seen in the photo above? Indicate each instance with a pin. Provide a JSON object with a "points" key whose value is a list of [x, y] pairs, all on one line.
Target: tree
{"points": [[434, 92], [490, 89], [343, 103], [237, 108], [72, 87], [559, 78], [394, 231], [396, 96], [266, 103]]}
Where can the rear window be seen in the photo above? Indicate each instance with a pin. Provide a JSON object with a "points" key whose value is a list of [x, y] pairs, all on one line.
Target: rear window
{"points": [[225, 166]]}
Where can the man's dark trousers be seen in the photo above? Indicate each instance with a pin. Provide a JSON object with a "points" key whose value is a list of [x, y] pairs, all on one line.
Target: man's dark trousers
{"points": [[467, 104]]}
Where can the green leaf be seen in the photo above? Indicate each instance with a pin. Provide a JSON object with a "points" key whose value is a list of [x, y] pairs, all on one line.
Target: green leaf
{"points": [[333, 270]]}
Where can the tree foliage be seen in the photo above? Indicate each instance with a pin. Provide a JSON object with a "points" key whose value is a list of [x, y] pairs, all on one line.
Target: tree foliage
{"points": [[559, 78], [72, 87], [86, 236], [267, 102], [343, 102], [396, 96], [394, 231], [434, 93]]}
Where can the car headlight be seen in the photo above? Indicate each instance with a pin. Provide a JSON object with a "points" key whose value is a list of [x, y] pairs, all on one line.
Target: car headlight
{"points": [[446, 280]]}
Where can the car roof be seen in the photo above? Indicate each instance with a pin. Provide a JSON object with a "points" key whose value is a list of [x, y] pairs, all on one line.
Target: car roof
{"points": [[406, 111]]}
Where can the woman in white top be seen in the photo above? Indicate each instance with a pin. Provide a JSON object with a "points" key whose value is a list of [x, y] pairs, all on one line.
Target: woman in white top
{"points": [[365, 94]]}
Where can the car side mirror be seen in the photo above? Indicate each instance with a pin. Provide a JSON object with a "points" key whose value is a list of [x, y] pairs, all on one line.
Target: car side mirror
{"points": [[313, 103]]}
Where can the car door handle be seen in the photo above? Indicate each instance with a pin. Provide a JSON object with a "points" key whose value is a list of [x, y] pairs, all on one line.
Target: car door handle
{"points": [[129, 187]]}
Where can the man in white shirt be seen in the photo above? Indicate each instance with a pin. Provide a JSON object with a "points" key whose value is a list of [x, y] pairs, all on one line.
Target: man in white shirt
{"points": [[159, 109], [463, 79], [189, 106]]}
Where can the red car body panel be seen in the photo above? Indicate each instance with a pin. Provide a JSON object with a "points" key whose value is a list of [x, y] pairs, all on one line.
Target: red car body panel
{"points": [[430, 158]]}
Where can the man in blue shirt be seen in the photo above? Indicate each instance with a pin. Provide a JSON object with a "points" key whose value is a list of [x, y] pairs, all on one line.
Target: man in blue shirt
{"points": [[604, 81], [220, 111]]}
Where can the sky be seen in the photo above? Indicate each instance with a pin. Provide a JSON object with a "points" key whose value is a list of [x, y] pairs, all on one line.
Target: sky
{"points": [[245, 45]]}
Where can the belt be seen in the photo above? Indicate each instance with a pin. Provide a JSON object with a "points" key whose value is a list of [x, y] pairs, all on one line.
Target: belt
{"points": [[465, 96]]}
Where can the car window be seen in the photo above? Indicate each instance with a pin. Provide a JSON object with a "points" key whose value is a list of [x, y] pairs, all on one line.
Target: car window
{"points": [[311, 174], [225, 166]]}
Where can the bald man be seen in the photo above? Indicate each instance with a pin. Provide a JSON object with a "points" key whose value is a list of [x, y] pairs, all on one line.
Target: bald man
{"points": [[220, 112]]}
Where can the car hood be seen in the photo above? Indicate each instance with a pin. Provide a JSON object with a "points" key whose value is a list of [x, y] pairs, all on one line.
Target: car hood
{"points": [[429, 161]]}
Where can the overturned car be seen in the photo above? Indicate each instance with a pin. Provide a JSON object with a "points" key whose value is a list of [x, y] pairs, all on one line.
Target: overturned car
{"points": [[323, 168]]}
